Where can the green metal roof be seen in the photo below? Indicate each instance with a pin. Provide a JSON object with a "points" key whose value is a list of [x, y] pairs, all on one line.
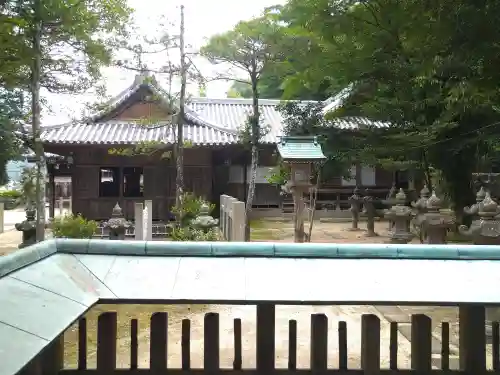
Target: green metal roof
{"points": [[46, 287], [300, 148]]}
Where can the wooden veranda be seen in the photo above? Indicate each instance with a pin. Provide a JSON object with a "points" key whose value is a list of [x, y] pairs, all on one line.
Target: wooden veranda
{"points": [[52, 284]]}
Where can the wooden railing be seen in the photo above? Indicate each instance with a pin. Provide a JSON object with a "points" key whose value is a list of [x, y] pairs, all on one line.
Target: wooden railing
{"points": [[421, 351]]}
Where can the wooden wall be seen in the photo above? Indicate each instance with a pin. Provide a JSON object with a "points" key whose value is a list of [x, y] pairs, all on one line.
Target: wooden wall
{"points": [[158, 180]]}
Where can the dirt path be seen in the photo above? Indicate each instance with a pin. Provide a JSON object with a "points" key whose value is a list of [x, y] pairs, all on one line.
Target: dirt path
{"points": [[352, 315], [9, 241]]}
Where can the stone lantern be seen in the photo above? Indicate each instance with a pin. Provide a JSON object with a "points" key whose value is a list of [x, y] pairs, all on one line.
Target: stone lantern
{"points": [[486, 230], [420, 207], [401, 216], [355, 200], [300, 153], [28, 227], [204, 221], [474, 209], [435, 223], [117, 224]]}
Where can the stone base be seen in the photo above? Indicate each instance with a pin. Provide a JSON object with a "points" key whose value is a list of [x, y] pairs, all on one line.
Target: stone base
{"points": [[353, 229], [371, 234]]}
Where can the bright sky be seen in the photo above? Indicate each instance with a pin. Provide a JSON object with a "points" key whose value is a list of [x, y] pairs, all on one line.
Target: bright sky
{"points": [[203, 19]]}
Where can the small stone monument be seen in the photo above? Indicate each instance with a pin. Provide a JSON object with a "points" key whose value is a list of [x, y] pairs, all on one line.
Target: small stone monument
{"points": [[474, 209], [401, 216], [355, 200], [486, 230], [420, 207], [436, 223], [204, 221], [28, 227], [369, 212], [300, 153], [117, 224]]}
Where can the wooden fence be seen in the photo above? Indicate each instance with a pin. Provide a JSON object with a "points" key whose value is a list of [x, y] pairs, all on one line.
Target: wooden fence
{"points": [[232, 218], [421, 352]]}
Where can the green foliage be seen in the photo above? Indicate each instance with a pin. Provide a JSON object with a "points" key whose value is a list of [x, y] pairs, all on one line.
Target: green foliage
{"points": [[71, 226], [193, 234], [189, 208], [427, 68], [28, 187], [11, 194]]}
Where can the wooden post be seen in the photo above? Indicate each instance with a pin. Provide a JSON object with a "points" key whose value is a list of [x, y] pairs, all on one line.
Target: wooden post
{"points": [[239, 221], [298, 199], [139, 221], [158, 341], [421, 343], [319, 342], [106, 341], [211, 344], [52, 188], [2, 215], [148, 224], [266, 320], [53, 357], [61, 206], [370, 344], [223, 215], [472, 340]]}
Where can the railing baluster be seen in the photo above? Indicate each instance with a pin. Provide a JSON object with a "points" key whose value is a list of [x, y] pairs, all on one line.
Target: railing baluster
{"points": [[342, 328], [106, 341], [393, 346], [134, 344], [266, 321], [319, 342], [186, 344], [158, 341], [211, 344], [82, 344], [238, 356], [292, 345], [495, 345], [421, 343], [445, 346], [370, 344]]}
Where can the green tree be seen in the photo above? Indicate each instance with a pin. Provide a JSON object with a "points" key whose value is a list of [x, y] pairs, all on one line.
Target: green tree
{"points": [[419, 65], [58, 46], [250, 47]]}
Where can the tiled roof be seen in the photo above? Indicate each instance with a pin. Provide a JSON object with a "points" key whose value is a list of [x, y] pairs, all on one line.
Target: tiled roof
{"points": [[210, 122], [300, 148], [117, 132]]}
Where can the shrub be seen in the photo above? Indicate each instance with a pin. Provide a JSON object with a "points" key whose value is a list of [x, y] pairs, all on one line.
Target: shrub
{"points": [[193, 234], [190, 208], [71, 226], [11, 194]]}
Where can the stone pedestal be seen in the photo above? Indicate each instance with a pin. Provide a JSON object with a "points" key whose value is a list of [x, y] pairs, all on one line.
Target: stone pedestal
{"points": [[355, 200], [486, 230], [435, 223], [369, 212], [28, 227], [401, 216]]}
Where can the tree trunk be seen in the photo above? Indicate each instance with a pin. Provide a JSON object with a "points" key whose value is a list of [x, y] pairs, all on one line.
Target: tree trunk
{"points": [[35, 123], [179, 157], [254, 136]]}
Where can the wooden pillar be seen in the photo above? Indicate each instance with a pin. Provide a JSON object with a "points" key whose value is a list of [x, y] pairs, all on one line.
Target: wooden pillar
{"points": [[370, 344], [52, 188], [472, 340], [53, 357], [421, 343], [266, 320]]}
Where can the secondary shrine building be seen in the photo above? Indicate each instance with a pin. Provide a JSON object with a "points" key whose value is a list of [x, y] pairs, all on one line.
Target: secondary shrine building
{"points": [[214, 162]]}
